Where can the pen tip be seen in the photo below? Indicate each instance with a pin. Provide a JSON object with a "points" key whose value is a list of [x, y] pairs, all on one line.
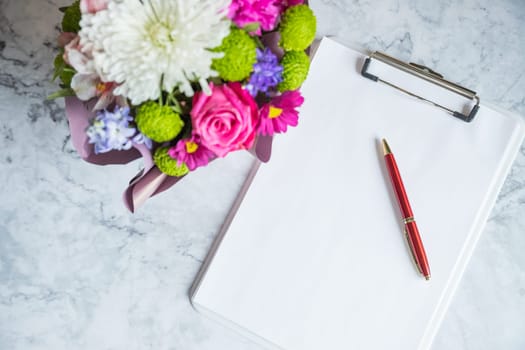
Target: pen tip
{"points": [[386, 148], [427, 278]]}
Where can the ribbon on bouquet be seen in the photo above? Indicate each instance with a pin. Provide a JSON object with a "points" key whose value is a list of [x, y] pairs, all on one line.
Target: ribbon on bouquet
{"points": [[150, 181]]}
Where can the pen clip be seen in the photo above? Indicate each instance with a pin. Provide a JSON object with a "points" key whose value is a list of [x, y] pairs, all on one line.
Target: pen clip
{"points": [[411, 248]]}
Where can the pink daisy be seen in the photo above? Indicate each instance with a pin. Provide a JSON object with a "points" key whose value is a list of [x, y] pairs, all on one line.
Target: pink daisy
{"points": [[280, 113], [191, 152]]}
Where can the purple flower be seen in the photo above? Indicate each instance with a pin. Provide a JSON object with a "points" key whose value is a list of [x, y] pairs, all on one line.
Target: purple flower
{"points": [[111, 131], [267, 73]]}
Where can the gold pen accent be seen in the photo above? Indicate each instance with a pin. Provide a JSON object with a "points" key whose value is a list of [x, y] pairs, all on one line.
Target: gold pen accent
{"points": [[409, 220], [386, 148], [412, 252]]}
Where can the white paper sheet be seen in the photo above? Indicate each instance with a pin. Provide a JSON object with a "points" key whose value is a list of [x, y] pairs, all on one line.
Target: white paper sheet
{"points": [[315, 257]]}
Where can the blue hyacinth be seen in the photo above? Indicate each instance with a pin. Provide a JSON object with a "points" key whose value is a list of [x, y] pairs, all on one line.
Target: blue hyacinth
{"points": [[111, 131], [267, 73]]}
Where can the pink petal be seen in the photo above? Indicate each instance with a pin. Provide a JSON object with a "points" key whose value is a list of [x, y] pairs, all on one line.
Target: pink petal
{"points": [[92, 6], [104, 101]]}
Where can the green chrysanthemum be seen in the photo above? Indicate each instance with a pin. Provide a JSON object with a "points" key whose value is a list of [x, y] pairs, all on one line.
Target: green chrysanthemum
{"points": [[295, 69], [159, 123], [61, 70], [168, 165], [239, 56], [71, 20], [298, 26]]}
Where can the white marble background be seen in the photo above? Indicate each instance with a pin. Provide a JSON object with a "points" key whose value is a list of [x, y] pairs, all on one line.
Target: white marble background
{"points": [[79, 272]]}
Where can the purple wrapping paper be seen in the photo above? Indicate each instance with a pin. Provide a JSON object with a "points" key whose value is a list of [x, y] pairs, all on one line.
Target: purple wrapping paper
{"points": [[148, 182]]}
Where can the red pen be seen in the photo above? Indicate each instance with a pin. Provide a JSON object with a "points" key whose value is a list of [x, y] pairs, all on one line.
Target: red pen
{"points": [[412, 233]]}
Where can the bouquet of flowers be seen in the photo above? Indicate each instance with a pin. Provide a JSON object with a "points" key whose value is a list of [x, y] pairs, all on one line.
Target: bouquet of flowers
{"points": [[180, 82]]}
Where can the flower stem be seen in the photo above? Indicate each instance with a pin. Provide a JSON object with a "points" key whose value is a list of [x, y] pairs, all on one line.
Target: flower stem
{"points": [[259, 42], [171, 98], [161, 102]]}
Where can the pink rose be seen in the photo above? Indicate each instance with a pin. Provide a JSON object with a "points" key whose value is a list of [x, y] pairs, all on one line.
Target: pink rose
{"points": [[226, 119], [92, 6]]}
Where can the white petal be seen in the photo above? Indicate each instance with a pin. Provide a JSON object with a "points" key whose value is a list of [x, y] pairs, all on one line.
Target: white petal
{"points": [[85, 86], [79, 61], [131, 45]]}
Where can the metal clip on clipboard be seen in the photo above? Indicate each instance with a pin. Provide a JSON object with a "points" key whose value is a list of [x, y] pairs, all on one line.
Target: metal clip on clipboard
{"points": [[428, 75]]}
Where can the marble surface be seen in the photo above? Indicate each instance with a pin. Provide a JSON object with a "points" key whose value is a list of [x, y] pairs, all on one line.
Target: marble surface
{"points": [[77, 271]]}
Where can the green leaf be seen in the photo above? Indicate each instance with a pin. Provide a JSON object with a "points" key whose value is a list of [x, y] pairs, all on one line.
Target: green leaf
{"points": [[71, 20], [62, 70], [59, 65], [252, 27], [61, 93], [58, 71]]}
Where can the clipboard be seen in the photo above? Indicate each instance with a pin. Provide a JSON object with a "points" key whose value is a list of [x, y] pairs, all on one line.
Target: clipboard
{"points": [[312, 255]]}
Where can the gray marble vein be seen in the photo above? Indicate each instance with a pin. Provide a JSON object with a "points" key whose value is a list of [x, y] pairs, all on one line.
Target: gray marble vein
{"points": [[79, 272]]}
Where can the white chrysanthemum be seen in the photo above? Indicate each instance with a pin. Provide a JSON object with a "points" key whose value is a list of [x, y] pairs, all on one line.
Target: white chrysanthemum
{"points": [[139, 43]]}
